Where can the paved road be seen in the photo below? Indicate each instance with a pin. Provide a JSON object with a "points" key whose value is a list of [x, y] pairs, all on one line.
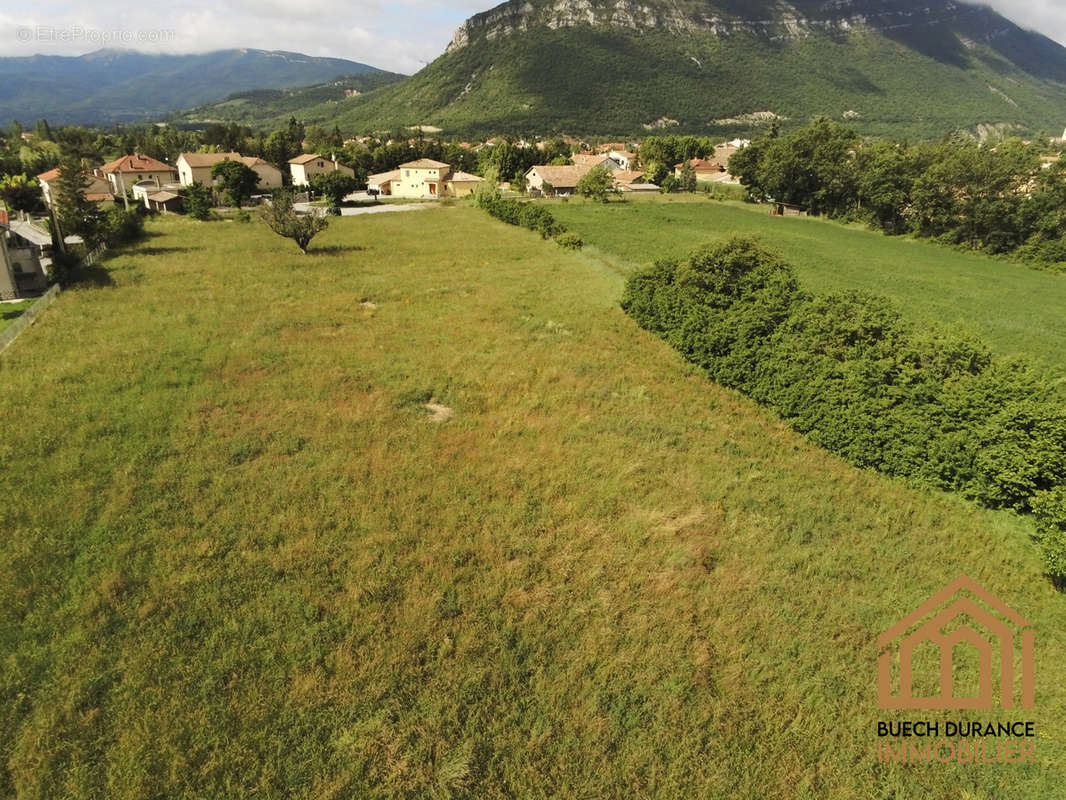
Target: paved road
{"points": [[384, 208]]}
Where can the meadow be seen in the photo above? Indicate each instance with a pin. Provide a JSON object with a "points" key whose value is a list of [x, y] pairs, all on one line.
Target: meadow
{"points": [[9, 312], [241, 557], [1015, 309]]}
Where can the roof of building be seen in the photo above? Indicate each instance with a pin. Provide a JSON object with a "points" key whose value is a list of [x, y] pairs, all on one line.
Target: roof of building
{"points": [[627, 176], [51, 175], [163, 197], [307, 158], [136, 163], [37, 236], [425, 163], [256, 161], [624, 154], [584, 158], [383, 177], [462, 177], [209, 159], [700, 164], [566, 176]]}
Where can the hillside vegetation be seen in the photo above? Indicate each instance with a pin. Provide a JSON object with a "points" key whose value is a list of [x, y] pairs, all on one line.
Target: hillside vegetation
{"points": [[242, 558], [519, 75]]}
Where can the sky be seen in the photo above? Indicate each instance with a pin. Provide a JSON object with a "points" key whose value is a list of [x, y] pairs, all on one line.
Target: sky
{"points": [[398, 35]]}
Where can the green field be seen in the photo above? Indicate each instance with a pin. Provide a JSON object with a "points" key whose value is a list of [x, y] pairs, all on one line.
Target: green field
{"points": [[9, 312], [1017, 310], [241, 559]]}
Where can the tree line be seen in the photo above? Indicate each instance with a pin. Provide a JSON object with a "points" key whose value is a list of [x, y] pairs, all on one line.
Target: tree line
{"points": [[998, 198], [847, 370]]}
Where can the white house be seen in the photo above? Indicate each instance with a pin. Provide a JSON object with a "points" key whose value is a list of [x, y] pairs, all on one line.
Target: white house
{"points": [[305, 167]]}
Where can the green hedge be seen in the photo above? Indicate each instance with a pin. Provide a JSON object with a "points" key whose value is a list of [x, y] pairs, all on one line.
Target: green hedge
{"points": [[850, 373], [525, 215]]}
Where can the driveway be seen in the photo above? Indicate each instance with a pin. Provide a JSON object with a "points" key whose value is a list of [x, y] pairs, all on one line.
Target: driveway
{"points": [[384, 208]]}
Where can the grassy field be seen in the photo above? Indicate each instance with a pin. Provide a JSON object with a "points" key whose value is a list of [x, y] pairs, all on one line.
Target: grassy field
{"points": [[1015, 309], [9, 312], [241, 559]]}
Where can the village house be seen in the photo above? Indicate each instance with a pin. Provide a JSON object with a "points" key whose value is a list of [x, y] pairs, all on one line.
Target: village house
{"points": [[562, 180], [423, 178], [21, 273], [26, 256], [706, 171], [305, 167], [590, 160], [196, 168], [631, 180], [269, 176], [164, 202], [382, 182], [123, 172], [623, 158], [97, 191]]}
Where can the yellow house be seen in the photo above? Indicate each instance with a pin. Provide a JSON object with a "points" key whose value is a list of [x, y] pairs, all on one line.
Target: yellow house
{"points": [[196, 167], [421, 178], [460, 184], [305, 167], [427, 179]]}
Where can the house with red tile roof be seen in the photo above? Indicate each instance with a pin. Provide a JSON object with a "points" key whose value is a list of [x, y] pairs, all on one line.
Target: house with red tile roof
{"points": [[98, 190], [705, 170], [123, 172]]}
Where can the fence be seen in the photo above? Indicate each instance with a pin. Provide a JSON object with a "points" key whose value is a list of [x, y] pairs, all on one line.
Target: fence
{"points": [[29, 316]]}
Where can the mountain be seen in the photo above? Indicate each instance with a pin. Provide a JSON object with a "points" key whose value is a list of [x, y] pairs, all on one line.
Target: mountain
{"points": [[908, 67], [109, 86]]}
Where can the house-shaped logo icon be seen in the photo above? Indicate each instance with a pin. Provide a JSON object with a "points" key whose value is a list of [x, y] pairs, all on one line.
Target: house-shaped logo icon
{"points": [[963, 597]]}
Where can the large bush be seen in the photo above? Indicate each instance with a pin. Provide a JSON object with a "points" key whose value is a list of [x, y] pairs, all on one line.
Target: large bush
{"points": [[526, 215], [849, 372]]}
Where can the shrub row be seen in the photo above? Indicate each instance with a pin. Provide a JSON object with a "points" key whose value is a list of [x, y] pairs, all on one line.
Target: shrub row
{"points": [[531, 216], [847, 371]]}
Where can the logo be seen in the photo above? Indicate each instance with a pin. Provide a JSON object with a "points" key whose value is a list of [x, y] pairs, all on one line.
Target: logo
{"points": [[950, 618]]}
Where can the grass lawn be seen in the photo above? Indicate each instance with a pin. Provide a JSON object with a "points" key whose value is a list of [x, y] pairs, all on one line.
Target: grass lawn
{"points": [[9, 312], [1014, 308], [240, 559]]}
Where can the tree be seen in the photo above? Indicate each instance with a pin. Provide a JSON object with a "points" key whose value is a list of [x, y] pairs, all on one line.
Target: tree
{"points": [[686, 181], [519, 182], [198, 201], [488, 191], [77, 215], [597, 184], [20, 192], [236, 179], [282, 218], [334, 186], [279, 148]]}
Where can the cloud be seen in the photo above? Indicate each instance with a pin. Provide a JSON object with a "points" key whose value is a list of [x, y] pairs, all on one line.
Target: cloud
{"points": [[1043, 16], [400, 35]]}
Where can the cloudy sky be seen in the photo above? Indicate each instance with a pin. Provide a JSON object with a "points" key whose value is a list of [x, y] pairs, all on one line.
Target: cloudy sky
{"points": [[400, 35]]}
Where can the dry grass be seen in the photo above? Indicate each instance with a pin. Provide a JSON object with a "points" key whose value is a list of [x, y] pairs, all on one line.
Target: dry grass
{"points": [[238, 562]]}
